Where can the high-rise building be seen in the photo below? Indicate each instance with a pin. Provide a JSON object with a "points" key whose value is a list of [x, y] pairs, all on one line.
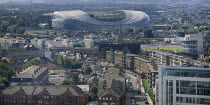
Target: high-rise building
{"points": [[183, 86]]}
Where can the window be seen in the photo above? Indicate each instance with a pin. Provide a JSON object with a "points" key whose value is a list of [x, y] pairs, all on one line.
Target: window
{"points": [[110, 98], [105, 103], [40, 102], [29, 101], [112, 103]]}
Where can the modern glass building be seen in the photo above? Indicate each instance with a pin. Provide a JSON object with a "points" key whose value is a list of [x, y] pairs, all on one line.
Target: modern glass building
{"points": [[194, 44], [183, 86], [80, 20]]}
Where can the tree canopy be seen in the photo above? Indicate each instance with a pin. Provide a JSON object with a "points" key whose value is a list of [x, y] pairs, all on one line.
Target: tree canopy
{"points": [[88, 70], [148, 34], [66, 62], [6, 73], [31, 62]]}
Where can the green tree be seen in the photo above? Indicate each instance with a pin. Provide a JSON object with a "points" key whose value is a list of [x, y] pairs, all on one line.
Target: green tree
{"points": [[67, 63], [88, 70], [4, 26], [95, 80], [4, 80], [6, 73], [20, 31], [75, 77], [184, 27], [76, 65], [66, 82], [148, 34], [31, 62], [12, 28], [94, 90], [52, 37], [208, 33], [209, 52], [94, 87], [60, 60]]}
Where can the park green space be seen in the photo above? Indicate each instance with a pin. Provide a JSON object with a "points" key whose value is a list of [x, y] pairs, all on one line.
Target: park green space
{"points": [[146, 84], [166, 48]]}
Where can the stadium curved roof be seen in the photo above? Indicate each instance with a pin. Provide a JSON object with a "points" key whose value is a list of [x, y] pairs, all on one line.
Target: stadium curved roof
{"points": [[130, 17]]}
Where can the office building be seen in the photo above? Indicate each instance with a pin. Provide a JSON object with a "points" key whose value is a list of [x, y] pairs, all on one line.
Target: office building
{"points": [[183, 86], [193, 44]]}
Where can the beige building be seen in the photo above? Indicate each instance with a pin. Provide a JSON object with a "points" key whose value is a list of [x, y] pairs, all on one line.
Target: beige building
{"points": [[125, 60]]}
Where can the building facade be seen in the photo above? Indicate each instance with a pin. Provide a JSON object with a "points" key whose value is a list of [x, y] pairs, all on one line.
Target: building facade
{"points": [[193, 44], [165, 58], [111, 92], [122, 59], [39, 95], [183, 86], [141, 65]]}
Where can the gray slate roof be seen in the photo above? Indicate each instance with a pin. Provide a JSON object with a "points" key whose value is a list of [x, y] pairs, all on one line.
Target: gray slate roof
{"points": [[31, 72], [52, 90], [115, 87]]}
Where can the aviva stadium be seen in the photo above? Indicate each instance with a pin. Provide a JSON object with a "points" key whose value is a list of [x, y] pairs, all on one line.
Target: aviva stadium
{"points": [[80, 20]]}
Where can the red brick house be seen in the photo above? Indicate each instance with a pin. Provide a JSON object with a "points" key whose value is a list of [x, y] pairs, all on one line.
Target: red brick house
{"points": [[111, 92], [40, 95]]}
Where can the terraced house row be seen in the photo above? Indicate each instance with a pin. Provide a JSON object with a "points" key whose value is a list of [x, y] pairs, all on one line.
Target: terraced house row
{"points": [[43, 95]]}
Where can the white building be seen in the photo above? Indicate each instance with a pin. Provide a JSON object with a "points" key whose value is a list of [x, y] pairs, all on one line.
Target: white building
{"points": [[183, 86], [6, 45], [52, 44], [89, 41], [48, 54]]}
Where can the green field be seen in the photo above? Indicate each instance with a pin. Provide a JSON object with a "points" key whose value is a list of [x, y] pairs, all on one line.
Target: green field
{"points": [[38, 31], [166, 48], [146, 83]]}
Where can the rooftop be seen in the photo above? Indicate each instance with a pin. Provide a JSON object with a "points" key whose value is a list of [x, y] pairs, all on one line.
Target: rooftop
{"points": [[113, 86], [31, 72], [52, 90]]}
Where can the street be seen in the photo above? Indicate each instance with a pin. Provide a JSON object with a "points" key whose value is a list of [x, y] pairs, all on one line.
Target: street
{"points": [[133, 95]]}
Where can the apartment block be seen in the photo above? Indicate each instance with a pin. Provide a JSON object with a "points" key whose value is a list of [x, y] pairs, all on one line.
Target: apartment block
{"points": [[183, 86]]}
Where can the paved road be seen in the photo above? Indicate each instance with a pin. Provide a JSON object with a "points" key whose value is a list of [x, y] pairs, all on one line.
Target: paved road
{"points": [[139, 99]]}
